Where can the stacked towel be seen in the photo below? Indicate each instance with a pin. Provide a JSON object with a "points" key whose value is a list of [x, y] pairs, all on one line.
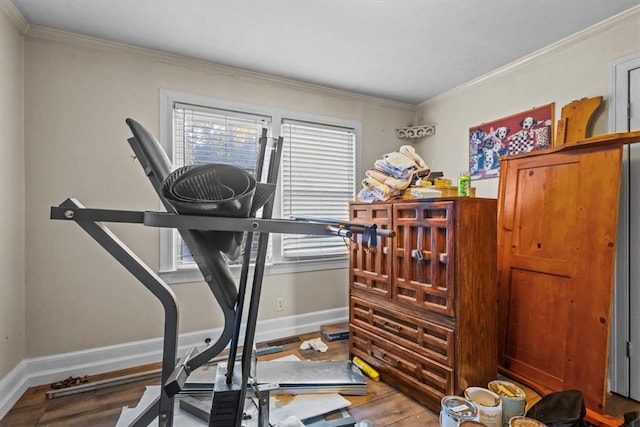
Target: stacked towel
{"points": [[392, 182], [375, 190], [396, 164], [410, 152], [391, 174]]}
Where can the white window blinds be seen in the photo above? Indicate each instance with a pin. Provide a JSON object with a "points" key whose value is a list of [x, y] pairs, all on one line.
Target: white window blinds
{"points": [[208, 135], [318, 164]]}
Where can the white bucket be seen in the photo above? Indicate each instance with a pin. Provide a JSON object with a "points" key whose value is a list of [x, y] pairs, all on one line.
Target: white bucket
{"points": [[514, 399], [488, 403], [456, 409]]}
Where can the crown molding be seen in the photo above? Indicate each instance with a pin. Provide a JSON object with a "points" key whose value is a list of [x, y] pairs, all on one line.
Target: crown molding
{"points": [[14, 15], [210, 67], [601, 27]]}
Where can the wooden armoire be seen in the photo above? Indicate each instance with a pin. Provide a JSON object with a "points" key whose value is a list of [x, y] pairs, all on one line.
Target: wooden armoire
{"points": [[423, 303], [557, 225]]}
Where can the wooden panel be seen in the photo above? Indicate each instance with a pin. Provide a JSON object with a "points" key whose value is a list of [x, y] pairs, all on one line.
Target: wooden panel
{"points": [[370, 267], [575, 120], [424, 259], [542, 226], [475, 298], [536, 327], [557, 230]]}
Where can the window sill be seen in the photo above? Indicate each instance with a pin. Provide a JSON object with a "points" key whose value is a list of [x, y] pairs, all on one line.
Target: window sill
{"points": [[189, 275]]}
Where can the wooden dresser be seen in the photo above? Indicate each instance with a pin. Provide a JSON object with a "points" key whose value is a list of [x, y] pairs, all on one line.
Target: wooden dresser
{"points": [[423, 308]]}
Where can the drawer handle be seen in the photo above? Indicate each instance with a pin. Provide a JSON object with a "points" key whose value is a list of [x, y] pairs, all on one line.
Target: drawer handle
{"points": [[390, 328], [443, 257], [385, 359]]}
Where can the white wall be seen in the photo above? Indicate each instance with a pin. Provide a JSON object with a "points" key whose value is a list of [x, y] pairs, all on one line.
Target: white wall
{"points": [[12, 189], [78, 92], [575, 68]]}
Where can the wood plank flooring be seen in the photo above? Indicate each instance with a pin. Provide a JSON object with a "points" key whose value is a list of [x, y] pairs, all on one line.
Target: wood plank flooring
{"points": [[383, 405]]}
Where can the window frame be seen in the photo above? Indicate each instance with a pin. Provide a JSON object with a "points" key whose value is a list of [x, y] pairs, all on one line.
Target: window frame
{"points": [[168, 269]]}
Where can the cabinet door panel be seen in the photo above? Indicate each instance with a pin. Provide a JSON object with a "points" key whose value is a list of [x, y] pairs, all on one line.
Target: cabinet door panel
{"points": [[537, 326], [542, 222], [370, 266], [424, 259]]}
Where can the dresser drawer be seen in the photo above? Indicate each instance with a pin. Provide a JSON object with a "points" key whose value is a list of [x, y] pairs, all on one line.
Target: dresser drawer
{"points": [[414, 374], [419, 335]]}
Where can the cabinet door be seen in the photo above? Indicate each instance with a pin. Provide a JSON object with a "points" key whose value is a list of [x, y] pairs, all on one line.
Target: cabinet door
{"points": [[370, 264], [557, 230], [424, 258]]}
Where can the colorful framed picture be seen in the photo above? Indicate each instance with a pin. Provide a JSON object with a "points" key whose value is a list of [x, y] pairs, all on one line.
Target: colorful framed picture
{"points": [[520, 133]]}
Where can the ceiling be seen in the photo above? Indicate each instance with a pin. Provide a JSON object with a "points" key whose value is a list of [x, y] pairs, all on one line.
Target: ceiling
{"points": [[403, 50]]}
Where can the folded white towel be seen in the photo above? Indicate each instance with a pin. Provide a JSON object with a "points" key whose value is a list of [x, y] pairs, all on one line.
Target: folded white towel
{"points": [[379, 190], [365, 195], [392, 182], [391, 170], [399, 160], [410, 152]]}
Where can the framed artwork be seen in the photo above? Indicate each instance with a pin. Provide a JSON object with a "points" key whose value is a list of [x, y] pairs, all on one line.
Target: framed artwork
{"points": [[520, 133]]}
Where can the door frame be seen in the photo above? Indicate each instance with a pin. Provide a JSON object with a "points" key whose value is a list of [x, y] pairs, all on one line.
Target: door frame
{"points": [[619, 374]]}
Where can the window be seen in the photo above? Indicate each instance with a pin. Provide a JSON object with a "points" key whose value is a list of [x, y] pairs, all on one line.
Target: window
{"points": [[317, 179], [317, 174], [208, 135]]}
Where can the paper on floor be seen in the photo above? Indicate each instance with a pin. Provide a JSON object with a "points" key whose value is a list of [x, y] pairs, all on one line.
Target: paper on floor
{"points": [[316, 344], [290, 422], [304, 406]]}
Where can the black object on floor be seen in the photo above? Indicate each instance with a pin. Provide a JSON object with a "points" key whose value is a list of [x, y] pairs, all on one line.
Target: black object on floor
{"points": [[560, 409]]}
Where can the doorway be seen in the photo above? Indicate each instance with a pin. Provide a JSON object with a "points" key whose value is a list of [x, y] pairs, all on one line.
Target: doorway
{"points": [[624, 361]]}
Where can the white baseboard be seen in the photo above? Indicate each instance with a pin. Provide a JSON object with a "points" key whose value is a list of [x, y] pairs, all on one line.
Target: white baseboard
{"points": [[12, 386], [48, 369]]}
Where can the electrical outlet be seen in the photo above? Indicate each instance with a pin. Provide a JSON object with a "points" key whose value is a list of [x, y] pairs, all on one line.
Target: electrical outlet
{"points": [[280, 304]]}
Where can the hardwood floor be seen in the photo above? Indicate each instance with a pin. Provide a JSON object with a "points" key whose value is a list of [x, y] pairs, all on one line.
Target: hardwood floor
{"points": [[383, 405]]}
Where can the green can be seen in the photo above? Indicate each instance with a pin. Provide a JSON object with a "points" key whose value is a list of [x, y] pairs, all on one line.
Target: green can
{"points": [[464, 184]]}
